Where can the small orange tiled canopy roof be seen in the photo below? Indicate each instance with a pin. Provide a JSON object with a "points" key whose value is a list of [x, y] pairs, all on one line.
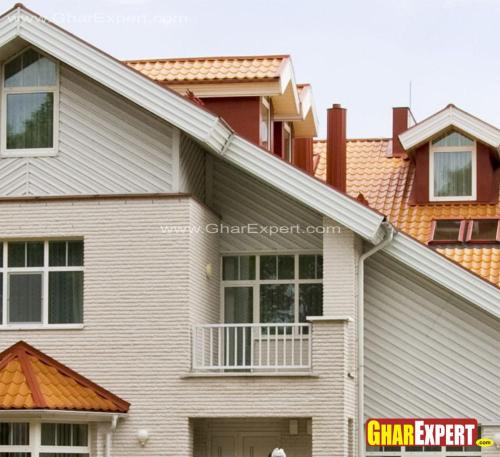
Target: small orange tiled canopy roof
{"points": [[30, 379]]}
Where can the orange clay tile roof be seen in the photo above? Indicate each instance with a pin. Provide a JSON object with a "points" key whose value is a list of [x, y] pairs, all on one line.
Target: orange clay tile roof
{"points": [[211, 69], [29, 379], [385, 182]]}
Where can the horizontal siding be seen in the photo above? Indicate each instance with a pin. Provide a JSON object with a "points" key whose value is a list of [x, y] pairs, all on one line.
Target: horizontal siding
{"points": [[428, 352], [106, 146], [192, 168], [241, 200]]}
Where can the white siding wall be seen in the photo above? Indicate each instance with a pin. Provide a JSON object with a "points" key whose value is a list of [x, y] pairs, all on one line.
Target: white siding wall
{"points": [[428, 352], [106, 145], [241, 200], [192, 168]]}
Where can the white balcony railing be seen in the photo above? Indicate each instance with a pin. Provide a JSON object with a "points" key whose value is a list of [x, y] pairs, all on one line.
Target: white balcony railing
{"points": [[252, 347]]}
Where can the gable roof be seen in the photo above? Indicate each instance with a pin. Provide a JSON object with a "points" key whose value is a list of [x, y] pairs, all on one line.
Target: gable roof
{"points": [[450, 116], [212, 69], [30, 379], [386, 182], [217, 137]]}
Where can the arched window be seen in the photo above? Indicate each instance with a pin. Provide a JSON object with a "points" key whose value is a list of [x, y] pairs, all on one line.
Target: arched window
{"points": [[452, 168], [29, 104]]}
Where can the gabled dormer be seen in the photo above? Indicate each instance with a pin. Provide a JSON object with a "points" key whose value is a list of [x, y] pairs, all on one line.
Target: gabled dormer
{"points": [[456, 157]]}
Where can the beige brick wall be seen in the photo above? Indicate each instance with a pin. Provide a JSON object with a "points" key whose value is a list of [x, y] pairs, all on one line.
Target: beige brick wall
{"points": [[143, 290]]}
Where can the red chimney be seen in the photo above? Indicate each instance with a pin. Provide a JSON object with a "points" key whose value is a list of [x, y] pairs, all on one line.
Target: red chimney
{"points": [[402, 120], [303, 154], [336, 167]]}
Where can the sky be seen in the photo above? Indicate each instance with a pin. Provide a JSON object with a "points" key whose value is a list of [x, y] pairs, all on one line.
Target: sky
{"points": [[360, 53]]}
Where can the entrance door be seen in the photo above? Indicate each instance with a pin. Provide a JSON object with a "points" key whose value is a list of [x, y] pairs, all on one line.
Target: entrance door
{"points": [[259, 446], [223, 446], [238, 309]]}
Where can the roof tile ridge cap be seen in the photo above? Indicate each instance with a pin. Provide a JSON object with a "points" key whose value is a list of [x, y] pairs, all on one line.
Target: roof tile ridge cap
{"points": [[31, 377]]}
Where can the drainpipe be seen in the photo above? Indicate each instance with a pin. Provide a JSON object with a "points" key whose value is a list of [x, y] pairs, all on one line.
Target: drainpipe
{"points": [[389, 233], [109, 436]]}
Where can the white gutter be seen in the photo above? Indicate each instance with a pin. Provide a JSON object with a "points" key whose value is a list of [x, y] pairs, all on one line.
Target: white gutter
{"points": [[386, 240], [109, 435]]}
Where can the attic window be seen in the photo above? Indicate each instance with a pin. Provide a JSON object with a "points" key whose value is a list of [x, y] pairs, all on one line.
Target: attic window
{"points": [[447, 231], [29, 101], [483, 231], [452, 168]]}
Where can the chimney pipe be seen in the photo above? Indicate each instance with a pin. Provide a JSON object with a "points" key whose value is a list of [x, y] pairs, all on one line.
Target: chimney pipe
{"points": [[303, 154], [336, 166], [402, 120]]}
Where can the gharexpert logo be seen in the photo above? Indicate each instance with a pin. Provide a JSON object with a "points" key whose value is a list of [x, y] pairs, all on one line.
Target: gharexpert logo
{"points": [[423, 432]]}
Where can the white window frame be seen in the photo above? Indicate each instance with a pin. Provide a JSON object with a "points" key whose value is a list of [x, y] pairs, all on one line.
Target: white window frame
{"points": [[44, 270], [432, 150], [256, 283], [35, 438], [287, 153], [264, 102], [31, 152]]}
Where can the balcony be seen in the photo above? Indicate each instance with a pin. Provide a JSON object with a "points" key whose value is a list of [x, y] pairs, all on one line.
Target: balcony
{"points": [[252, 348]]}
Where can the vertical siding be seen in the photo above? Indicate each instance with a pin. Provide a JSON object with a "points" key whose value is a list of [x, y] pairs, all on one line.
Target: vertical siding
{"points": [[106, 145], [241, 200], [428, 353]]}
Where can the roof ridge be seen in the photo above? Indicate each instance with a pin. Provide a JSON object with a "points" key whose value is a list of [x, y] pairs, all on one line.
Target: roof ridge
{"points": [[188, 59], [30, 376]]}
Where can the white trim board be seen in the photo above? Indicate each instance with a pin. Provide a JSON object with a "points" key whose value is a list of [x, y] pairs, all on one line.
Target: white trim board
{"points": [[451, 116], [217, 137]]}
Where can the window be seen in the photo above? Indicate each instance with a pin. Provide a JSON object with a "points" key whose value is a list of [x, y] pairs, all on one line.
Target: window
{"points": [[477, 231], [287, 142], [447, 231], [265, 123], [483, 231], [275, 288], [452, 168], [35, 439], [29, 104], [41, 282]]}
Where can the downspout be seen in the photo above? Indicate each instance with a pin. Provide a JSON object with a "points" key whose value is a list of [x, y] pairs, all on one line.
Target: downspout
{"points": [[389, 234], [109, 436]]}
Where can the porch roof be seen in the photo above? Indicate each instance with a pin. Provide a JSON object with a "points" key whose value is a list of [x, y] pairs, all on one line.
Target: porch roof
{"points": [[30, 379]]}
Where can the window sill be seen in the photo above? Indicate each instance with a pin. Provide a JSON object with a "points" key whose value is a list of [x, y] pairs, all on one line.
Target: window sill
{"points": [[28, 153], [14, 327]]}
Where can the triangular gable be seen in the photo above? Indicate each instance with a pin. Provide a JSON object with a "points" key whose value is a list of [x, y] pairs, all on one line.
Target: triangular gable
{"points": [[218, 138], [30, 379], [451, 116]]}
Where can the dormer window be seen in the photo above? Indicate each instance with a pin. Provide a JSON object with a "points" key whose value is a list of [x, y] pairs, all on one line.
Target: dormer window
{"points": [[29, 98], [452, 168], [265, 123]]}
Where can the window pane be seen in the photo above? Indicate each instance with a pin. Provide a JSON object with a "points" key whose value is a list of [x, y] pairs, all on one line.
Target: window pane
{"points": [[57, 253], [247, 267], [75, 253], [264, 126], [66, 297], [319, 267], [63, 434], [35, 254], [286, 267], [310, 301], [484, 230], [1, 298], [17, 254], [276, 303], [230, 268], [1, 255], [30, 69], [268, 267], [453, 174], [307, 267], [80, 435], [452, 139], [447, 231], [48, 434], [30, 120], [53, 454], [14, 434], [25, 298]]}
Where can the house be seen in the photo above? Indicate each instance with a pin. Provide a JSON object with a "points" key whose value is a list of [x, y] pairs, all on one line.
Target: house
{"points": [[171, 287]]}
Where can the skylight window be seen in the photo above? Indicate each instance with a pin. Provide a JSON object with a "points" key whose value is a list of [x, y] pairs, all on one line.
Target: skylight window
{"points": [[448, 231], [483, 231], [452, 168], [455, 231]]}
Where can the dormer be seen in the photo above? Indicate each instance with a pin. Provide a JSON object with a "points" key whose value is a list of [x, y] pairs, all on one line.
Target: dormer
{"points": [[456, 157], [256, 95]]}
